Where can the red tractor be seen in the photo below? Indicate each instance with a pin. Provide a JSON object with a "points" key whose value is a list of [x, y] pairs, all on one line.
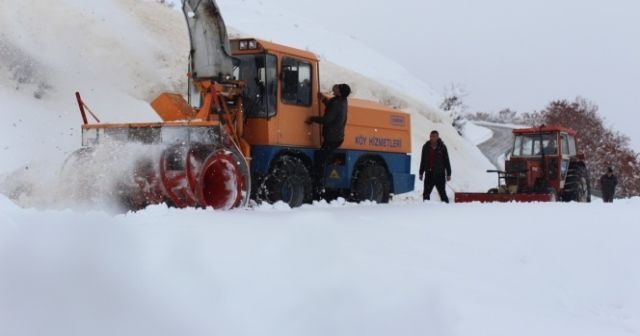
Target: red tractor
{"points": [[544, 166]]}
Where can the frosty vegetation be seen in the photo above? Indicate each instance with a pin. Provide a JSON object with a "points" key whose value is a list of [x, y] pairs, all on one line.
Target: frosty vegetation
{"points": [[453, 104]]}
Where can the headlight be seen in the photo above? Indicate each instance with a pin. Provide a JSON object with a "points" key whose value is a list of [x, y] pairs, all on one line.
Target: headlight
{"points": [[244, 44], [253, 44]]}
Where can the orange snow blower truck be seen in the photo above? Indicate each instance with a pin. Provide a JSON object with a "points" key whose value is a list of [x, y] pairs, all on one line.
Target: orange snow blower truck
{"points": [[242, 133], [544, 166]]}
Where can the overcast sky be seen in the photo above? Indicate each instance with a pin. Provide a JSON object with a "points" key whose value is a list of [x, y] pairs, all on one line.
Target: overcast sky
{"points": [[507, 53]]}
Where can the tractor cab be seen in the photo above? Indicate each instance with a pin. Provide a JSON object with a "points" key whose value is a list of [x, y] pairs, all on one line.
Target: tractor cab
{"points": [[540, 159], [534, 163]]}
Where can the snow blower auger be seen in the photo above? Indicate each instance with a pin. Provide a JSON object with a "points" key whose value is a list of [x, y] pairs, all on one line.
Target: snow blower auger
{"points": [[200, 156]]}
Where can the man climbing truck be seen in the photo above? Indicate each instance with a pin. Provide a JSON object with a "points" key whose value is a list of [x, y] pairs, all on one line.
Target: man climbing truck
{"points": [[242, 134]]}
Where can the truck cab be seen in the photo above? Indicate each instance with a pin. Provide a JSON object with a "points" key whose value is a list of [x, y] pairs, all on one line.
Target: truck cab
{"points": [[280, 92]]}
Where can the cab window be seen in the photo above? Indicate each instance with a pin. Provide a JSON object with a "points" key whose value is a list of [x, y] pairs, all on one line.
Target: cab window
{"points": [[565, 144], [259, 74], [296, 82], [572, 146], [532, 145]]}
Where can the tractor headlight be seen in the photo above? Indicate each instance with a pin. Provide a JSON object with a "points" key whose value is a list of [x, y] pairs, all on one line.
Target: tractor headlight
{"points": [[244, 45], [253, 44]]}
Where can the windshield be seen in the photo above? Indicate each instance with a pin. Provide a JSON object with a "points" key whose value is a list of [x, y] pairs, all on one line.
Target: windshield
{"points": [[259, 74], [529, 144]]}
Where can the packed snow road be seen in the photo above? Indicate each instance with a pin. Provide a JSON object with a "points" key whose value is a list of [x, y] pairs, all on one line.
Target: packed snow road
{"points": [[406, 268], [498, 145]]}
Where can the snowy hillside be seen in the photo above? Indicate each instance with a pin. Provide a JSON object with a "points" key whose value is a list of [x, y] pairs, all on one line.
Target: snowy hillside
{"points": [[405, 268]]}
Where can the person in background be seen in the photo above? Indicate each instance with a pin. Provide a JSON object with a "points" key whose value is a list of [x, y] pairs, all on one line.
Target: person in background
{"points": [[435, 165], [608, 184]]}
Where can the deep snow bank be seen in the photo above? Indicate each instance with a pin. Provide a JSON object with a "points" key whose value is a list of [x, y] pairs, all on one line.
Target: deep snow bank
{"points": [[341, 269]]}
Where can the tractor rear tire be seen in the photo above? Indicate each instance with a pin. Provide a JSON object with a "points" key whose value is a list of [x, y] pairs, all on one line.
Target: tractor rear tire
{"points": [[576, 186], [288, 181], [371, 183]]}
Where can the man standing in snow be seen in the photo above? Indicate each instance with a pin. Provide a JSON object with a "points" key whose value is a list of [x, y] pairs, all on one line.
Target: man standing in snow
{"points": [[435, 164], [608, 184]]}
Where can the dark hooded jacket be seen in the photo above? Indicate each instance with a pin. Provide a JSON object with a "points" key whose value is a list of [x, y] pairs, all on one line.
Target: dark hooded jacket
{"points": [[608, 184], [441, 165], [333, 120]]}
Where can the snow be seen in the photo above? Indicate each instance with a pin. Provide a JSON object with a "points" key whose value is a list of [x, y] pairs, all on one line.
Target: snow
{"points": [[504, 125], [71, 267], [476, 134], [340, 269]]}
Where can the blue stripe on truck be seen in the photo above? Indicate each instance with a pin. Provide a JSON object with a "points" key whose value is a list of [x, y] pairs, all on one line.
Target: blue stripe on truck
{"points": [[398, 164]]}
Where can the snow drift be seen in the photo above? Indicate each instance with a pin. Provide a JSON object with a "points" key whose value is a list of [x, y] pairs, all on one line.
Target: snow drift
{"points": [[326, 269]]}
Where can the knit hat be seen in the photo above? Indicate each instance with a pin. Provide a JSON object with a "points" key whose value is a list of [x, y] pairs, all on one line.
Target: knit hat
{"points": [[345, 90]]}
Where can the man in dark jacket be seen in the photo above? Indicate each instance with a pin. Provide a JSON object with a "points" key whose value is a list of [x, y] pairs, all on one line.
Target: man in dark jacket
{"points": [[435, 164], [335, 117], [608, 184], [333, 123]]}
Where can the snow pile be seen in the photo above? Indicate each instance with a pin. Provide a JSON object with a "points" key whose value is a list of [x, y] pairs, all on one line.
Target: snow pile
{"points": [[119, 55], [328, 269], [476, 134]]}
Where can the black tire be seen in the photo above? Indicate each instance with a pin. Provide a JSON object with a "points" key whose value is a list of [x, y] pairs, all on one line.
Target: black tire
{"points": [[288, 181], [576, 187], [370, 183], [492, 191]]}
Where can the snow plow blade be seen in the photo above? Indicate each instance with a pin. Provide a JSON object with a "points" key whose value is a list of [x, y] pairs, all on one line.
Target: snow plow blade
{"points": [[487, 197]]}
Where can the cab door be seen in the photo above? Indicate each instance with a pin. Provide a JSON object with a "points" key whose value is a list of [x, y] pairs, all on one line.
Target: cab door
{"points": [[297, 103]]}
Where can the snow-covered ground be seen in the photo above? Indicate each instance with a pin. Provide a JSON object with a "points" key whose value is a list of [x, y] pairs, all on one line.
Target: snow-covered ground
{"points": [[406, 268], [397, 269]]}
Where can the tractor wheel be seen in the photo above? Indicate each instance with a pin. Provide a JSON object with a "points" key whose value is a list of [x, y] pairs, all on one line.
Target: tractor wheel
{"points": [[288, 181], [370, 183], [576, 186]]}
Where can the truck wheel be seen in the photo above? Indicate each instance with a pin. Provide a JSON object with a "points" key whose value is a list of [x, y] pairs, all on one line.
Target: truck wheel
{"points": [[371, 183], [288, 181], [576, 187]]}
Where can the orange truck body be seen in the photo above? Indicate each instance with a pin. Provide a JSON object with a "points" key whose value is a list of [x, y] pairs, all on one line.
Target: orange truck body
{"points": [[370, 126]]}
